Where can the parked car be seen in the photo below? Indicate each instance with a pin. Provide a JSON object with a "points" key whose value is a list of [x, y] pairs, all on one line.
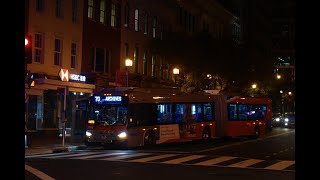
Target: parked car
{"points": [[277, 120], [289, 120]]}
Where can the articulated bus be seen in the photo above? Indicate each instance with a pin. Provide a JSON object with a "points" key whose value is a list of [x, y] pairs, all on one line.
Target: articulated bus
{"points": [[140, 117]]}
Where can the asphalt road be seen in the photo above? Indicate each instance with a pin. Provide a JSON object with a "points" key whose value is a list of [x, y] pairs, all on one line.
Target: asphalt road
{"points": [[269, 157]]}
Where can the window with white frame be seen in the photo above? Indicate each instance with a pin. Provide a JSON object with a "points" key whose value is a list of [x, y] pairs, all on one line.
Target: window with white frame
{"points": [[73, 55], [136, 59], [145, 54], [153, 65], [126, 50], [38, 48], [90, 9], [100, 60], [113, 15], [136, 19], [154, 27], [102, 11], [57, 52], [146, 23], [59, 9], [161, 67], [126, 15], [75, 11]]}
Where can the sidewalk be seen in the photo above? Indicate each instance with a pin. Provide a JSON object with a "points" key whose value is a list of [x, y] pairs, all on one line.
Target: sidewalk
{"points": [[51, 143]]}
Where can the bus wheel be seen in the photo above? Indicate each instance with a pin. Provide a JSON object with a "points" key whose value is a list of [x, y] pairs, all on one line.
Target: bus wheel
{"points": [[206, 134], [149, 138]]}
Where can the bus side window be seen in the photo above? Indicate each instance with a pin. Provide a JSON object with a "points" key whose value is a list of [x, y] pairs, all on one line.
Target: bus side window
{"points": [[207, 111], [164, 114], [243, 112], [232, 109]]}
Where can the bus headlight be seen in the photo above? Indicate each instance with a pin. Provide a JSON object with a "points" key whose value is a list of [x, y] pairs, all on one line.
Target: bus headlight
{"points": [[122, 135], [91, 121], [88, 134], [286, 119]]}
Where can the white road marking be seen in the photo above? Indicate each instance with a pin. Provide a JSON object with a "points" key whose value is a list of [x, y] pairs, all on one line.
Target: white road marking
{"points": [[44, 155], [183, 159], [72, 155], [38, 173], [97, 155], [153, 158], [246, 163], [124, 156], [215, 160], [280, 165]]}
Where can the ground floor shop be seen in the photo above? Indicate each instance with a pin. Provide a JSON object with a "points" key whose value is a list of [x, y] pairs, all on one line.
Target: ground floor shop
{"points": [[46, 104]]}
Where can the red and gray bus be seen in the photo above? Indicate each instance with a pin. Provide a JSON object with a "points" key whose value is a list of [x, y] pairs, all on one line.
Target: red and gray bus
{"points": [[139, 117]]}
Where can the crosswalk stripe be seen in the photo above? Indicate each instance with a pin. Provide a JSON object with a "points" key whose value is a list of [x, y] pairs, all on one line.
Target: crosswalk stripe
{"points": [[183, 159], [153, 158], [280, 165], [72, 155], [215, 160], [246, 163], [124, 156], [98, 155], [45, 155]]}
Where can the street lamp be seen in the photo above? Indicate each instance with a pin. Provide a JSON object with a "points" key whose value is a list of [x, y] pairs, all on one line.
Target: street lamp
{"points": [[254, 86], [175, 72], [278, 76], [128, 64]]}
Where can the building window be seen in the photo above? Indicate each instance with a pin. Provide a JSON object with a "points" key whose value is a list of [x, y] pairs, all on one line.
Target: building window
{"points": [[100, 60], [161, 68], [136, 20], [126, 50], [75, 10], [59, 9], [73, 55], [38, 48], [102, 11], [136, 59], [57, 52], [153, 65], [126, 15], [161, 32], [40, 5], [90, 9], [145, 64], [154, 27], [146, 23], [113, 15]]}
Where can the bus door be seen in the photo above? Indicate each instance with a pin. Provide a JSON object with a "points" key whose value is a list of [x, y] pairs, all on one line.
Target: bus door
{"points": [[239, 122]]}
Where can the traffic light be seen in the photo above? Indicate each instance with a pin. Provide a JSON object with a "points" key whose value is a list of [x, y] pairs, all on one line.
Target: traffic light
{"points": [[28, 49]]}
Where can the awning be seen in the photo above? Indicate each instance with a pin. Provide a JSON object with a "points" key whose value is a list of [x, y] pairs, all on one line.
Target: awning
{"points": [[51, 84]]}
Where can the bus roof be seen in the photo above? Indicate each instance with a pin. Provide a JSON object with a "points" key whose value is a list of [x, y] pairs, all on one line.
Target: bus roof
{"points": [[248, 99], [161, 95]]}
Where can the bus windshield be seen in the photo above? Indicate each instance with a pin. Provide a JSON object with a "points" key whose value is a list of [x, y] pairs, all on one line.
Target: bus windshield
{"points": [[108, 115]]}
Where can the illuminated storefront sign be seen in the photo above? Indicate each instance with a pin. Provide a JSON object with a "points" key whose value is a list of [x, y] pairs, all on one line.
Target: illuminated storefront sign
{"points": [[77, 77], [65, 76]]}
